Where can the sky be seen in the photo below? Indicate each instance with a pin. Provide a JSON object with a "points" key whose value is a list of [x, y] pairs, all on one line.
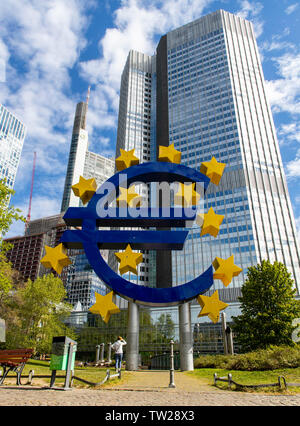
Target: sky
{"points": [[52, 50]]}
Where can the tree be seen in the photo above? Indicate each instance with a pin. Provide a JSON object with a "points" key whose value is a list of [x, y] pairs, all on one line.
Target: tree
{"points": [[40, 310], [8, 214], [166, 327], [268, 307]]}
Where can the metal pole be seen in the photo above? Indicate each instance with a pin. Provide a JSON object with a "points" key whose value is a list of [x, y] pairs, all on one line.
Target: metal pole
{"points": [[186, 340], [223, 318], [109, 352], [97, 352], [102, 352], [132, 350], [172, 384]]}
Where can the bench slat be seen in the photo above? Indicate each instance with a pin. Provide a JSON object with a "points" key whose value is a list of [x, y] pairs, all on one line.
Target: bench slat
{"points": [[15, 357], [15, 351]]}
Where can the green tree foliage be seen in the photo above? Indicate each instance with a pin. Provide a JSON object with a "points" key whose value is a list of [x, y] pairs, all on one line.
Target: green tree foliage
{"points": [[166, 327], [39, 310], [8, 214], [268, 307]]}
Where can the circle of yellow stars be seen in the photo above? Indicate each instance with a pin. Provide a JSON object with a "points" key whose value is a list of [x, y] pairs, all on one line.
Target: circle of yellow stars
{"points": [[224, 269]]}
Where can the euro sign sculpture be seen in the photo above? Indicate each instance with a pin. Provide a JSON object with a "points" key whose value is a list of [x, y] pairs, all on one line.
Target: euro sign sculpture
{"points": [[100, 212]]}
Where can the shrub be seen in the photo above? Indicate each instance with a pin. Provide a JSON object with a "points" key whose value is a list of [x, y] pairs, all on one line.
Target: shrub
{"points": [[272, 358]]}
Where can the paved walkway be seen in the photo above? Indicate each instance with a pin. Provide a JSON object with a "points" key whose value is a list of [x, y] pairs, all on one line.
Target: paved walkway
{"points": [[147, 388]]}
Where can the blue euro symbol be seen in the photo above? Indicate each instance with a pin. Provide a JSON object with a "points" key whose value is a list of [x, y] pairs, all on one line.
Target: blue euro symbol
{"points": [[91, 239]]}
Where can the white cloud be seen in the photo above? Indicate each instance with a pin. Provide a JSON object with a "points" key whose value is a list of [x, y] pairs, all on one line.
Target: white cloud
{"points": [[137, 26], [290, 9], [277, 45], [45, 43], [297, 220], [289, 132], [293, 167], [252, 10], [284, 92]]}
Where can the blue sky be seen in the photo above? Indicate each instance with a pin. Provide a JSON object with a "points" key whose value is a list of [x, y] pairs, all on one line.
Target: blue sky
{"points": [[50, 51]]}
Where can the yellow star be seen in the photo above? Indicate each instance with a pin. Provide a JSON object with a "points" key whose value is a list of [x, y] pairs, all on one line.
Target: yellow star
{"points": [[104, 306], [128, 198], [213, 170], [225, 269], [169, 154], [85, 189], [55, 258], [126, 159], [186, 195], [211, 306], [128, 260], [210, 222]]}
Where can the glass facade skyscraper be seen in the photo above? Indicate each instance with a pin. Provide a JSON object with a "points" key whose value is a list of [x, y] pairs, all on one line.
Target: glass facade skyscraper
{"points": [[12, 135], [204, 91]]}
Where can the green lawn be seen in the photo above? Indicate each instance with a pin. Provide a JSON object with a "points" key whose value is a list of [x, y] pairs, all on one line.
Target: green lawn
{"points": [[41, 368], [292, 375], [204, 375]]}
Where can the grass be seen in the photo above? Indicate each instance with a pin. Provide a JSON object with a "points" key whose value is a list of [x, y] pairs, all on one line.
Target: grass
{"points": [[292, 375], [41, 368], [204, 375]]}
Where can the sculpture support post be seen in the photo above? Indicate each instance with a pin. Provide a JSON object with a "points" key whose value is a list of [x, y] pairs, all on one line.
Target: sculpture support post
{"points": [[132, 350], [186, 340]]}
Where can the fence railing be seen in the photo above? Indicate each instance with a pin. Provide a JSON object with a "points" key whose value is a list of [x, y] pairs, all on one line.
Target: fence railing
{"points": [[107, 377], [281, 383]]}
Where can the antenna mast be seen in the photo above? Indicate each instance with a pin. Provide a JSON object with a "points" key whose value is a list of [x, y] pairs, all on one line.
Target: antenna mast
{"points": [[31, 189]]}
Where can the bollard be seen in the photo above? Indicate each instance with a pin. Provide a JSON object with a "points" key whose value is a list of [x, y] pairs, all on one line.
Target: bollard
{"points": [[229, 340], [224, 325], [172, 384], [97, 353], [109, 353], [102, 352]]}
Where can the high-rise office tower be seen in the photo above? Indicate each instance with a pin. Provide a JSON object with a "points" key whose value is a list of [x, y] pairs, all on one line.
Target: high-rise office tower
{"points": [[78, 149], [204, 91], [134, 130], [12, 135]]}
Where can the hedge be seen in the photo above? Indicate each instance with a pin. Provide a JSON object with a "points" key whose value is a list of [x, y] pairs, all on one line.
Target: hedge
{"points": [[275, 357]]}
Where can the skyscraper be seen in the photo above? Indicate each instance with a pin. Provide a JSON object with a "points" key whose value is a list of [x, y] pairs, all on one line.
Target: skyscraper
{"points": [[12, 135], [204, 91], [78, 149], [80, 280]]}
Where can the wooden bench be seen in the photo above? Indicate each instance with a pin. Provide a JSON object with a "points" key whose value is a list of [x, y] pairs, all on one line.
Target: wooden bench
{"points": [[14, 360]]}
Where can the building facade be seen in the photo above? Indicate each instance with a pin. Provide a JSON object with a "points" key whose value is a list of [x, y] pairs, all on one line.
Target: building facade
{"points": [[12, 135], [28, 250], [204, 91]]}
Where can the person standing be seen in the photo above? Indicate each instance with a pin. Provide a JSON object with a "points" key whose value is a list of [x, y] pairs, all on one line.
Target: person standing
{"points": [[118, 348]]}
